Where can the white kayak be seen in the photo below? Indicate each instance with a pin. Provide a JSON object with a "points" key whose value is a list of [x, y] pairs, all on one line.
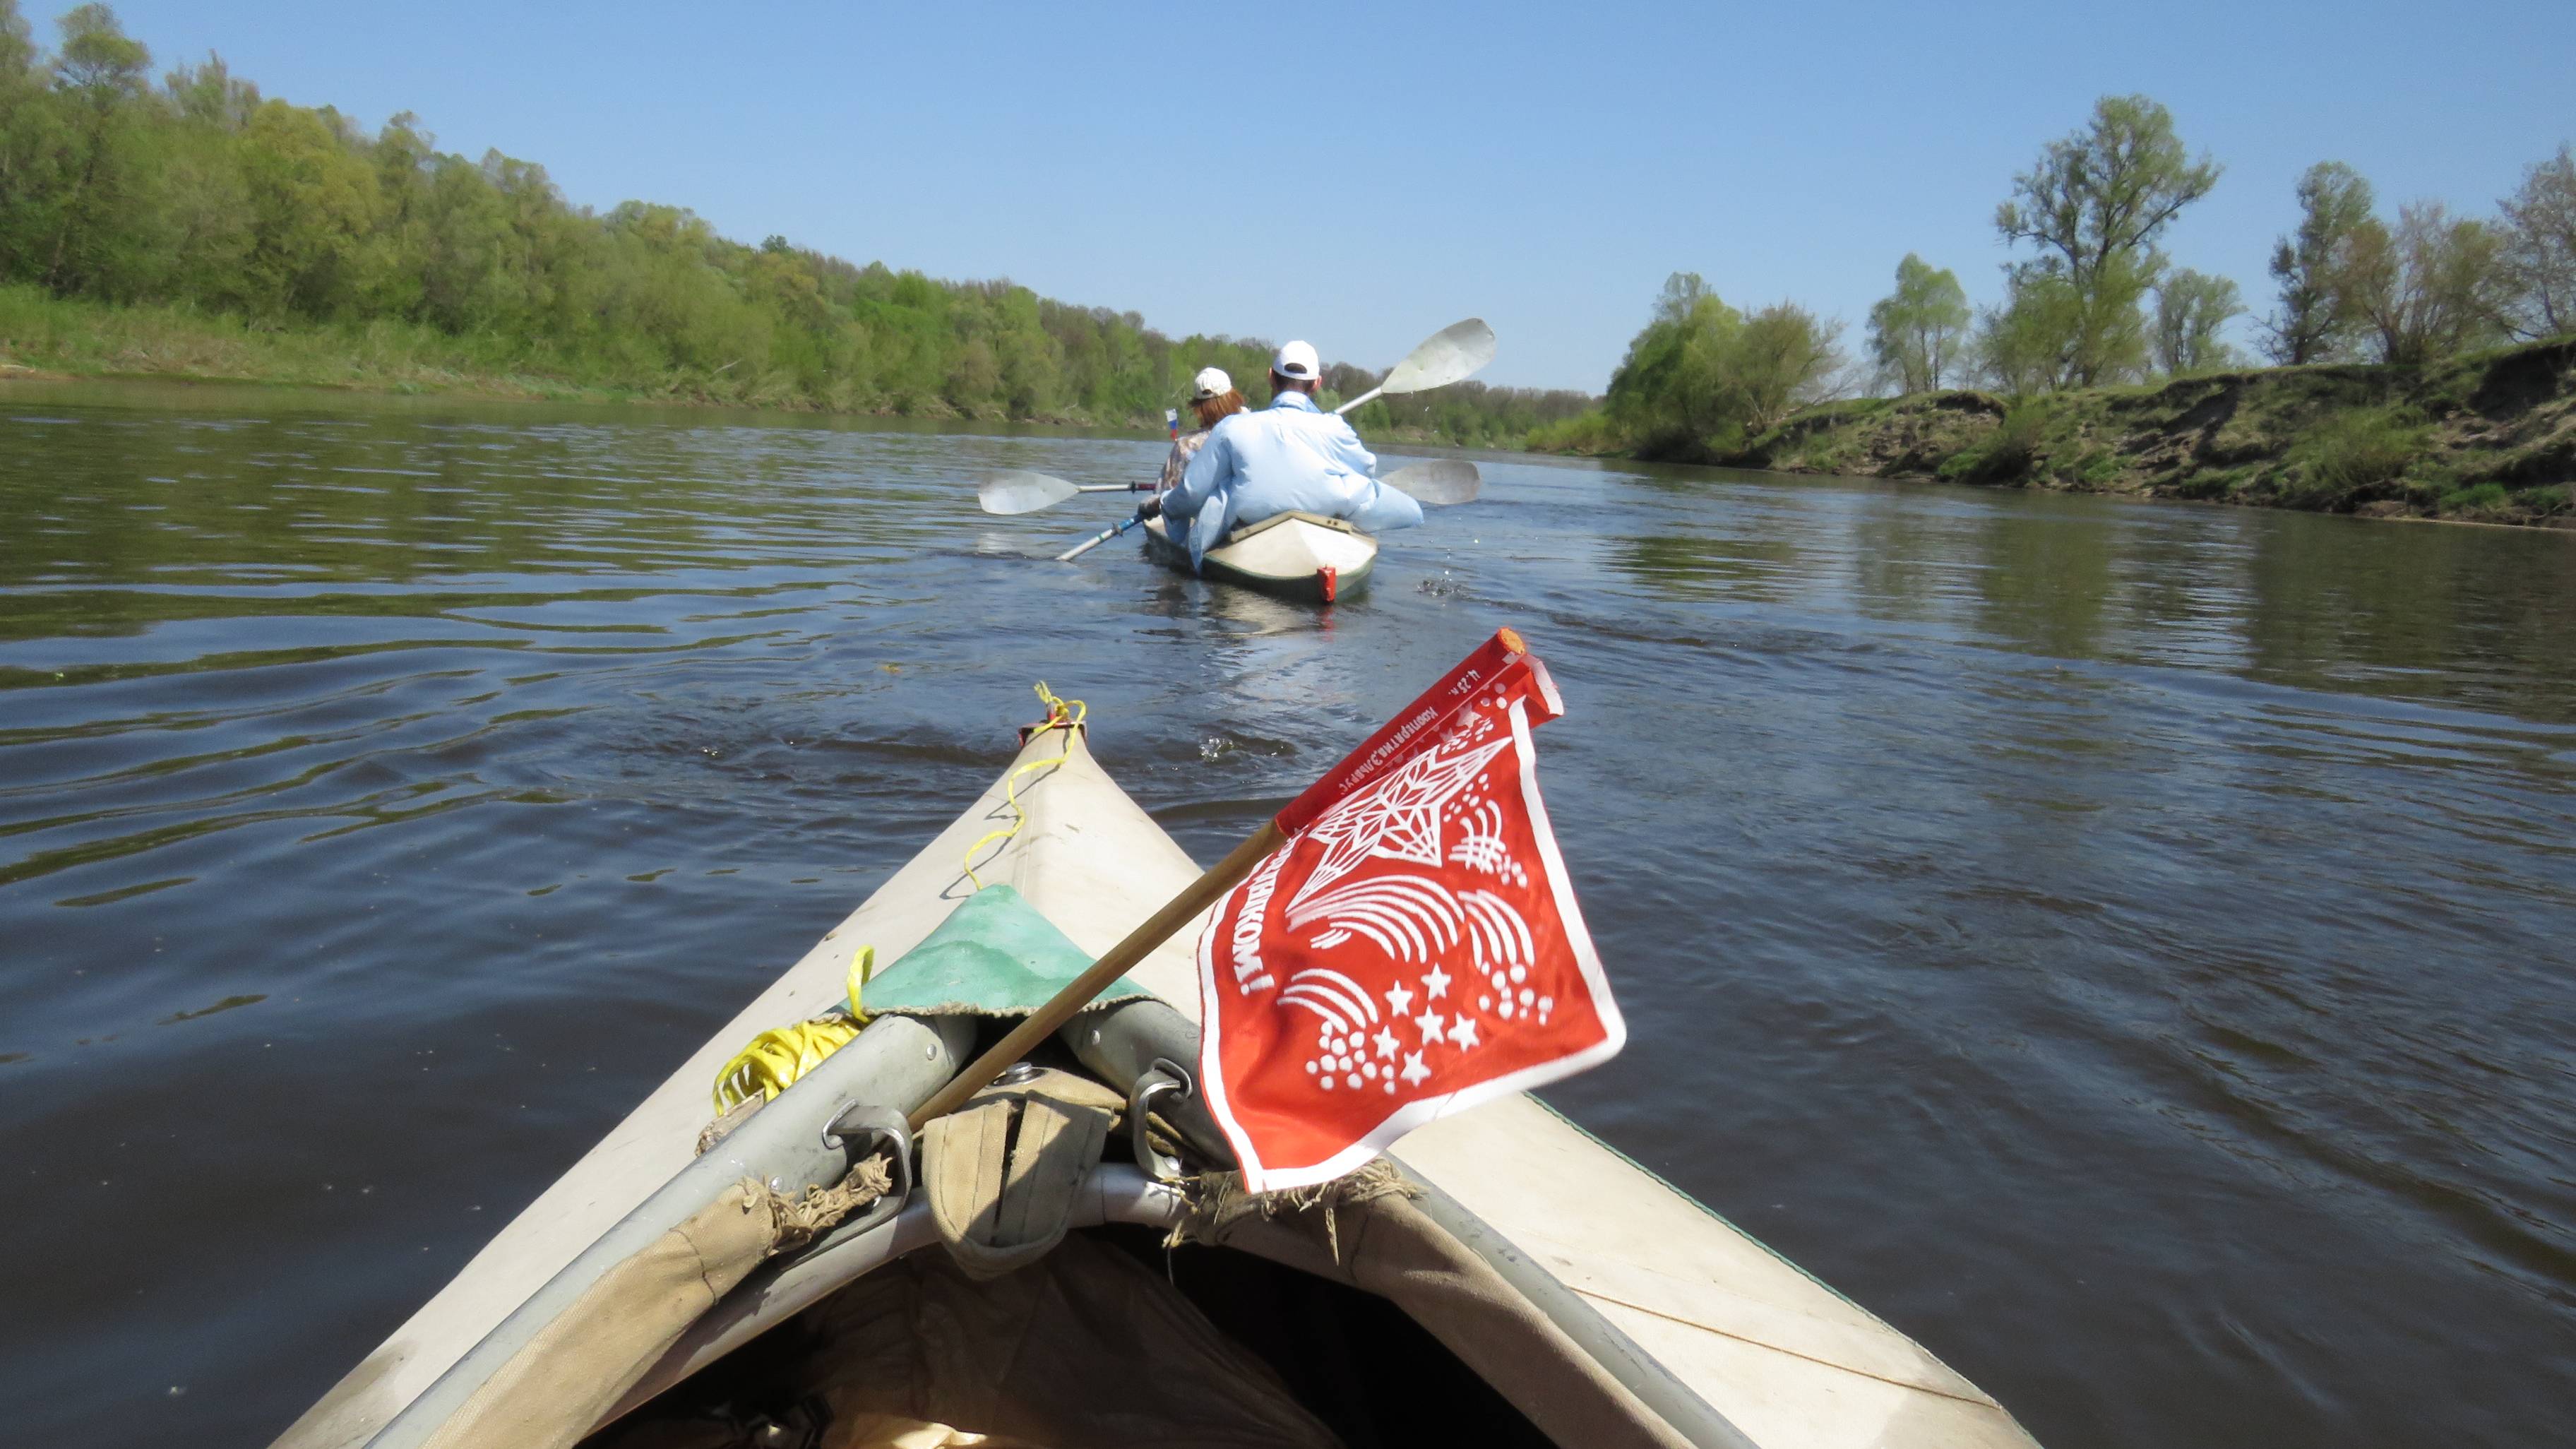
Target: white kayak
{"points": [[1302, 556], [1544, 1287]]}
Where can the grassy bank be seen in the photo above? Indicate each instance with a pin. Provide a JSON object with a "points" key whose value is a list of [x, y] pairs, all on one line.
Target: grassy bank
{"points": [[2489, 438], [50, 336], [46, 336]]}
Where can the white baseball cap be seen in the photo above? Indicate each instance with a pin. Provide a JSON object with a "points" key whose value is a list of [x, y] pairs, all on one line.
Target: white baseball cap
{"points": [[1211, 382], [1297, 360]]}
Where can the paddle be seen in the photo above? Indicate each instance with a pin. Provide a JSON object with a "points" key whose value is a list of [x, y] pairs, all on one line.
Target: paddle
{"points": [[1097, 539], [1440, 482], [1453, 354], [1023, 492]]}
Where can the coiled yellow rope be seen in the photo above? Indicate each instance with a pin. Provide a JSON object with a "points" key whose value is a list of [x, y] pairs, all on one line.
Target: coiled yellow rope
{"points": [[1065, 714], [778, 1056]]}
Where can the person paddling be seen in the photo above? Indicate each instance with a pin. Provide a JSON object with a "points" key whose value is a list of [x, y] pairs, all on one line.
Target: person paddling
{"points": [[1213, 399], [1290, 457]]}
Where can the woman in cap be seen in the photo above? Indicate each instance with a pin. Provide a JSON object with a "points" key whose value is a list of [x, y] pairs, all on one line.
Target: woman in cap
{"points": [[1212, 398]]}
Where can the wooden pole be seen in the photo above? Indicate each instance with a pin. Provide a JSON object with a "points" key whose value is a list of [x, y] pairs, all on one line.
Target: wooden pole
{"points": [[1395, 741], [1036, 1027]]}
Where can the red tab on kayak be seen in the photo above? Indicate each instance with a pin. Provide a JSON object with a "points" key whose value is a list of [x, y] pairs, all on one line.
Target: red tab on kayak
{"points": [[1420, 723], [1416, 951]]}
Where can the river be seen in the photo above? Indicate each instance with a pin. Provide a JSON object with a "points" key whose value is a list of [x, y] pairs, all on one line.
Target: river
{"points": [[2128, 947]]}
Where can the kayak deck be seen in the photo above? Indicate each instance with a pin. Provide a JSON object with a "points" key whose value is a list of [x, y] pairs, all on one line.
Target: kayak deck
{"points": [[1785, 1359], [1302, 556]]}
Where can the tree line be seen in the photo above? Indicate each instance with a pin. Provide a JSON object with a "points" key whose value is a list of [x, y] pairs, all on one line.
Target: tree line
{"points": [[2093, 300], [198, 192]]}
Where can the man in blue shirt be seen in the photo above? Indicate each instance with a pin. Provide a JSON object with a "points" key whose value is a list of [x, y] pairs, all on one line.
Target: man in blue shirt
{"points": [[1289, 457]]}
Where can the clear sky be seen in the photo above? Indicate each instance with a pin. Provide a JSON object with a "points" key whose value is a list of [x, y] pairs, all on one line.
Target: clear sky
{"points": [[1363, 176]]}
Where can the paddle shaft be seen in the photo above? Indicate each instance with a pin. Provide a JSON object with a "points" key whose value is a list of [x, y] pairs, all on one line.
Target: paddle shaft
{"points": [[1362, 400], [1035, 1028], [1097, 539]]}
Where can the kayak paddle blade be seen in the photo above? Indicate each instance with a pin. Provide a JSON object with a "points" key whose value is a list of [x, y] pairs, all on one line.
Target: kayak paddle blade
{"points": [[1453, 354], [1022, 492], [1440, 482]]}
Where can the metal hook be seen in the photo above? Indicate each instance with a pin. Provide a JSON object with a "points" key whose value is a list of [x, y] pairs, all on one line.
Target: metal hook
{"points": [[1165, 1078], [873, 1128]]}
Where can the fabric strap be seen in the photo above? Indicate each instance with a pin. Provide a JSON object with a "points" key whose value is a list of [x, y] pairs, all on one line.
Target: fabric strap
{"points": [[1002, 1172]]}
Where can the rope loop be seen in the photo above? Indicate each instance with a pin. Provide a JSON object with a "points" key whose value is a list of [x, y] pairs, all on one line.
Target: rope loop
{"points": [[1063, 714]]}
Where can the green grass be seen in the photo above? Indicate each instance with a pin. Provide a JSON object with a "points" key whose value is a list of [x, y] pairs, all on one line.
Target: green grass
{"points": [[2354, 455], [2483, 500], [2097, 469], [92, 339]]}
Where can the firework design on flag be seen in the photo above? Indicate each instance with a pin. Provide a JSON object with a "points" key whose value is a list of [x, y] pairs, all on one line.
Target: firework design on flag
{"points": [[1416, 950]]}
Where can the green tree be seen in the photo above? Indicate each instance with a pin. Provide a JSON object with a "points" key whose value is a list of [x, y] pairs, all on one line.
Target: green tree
{"points": [[1784, 357], [2026, 345], [211, 95], [2190, 309], [1916, 332], [975, 379], [2539, 241], [2431, 287], [313, 205], [1702, 374], [32, 152], [2093, 207], [1668, 393], [102, 70], [2315, 321]]}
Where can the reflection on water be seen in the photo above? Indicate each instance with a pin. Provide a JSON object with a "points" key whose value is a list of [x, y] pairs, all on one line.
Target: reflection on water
{"points": [[2125, 946], [2483, 617]]}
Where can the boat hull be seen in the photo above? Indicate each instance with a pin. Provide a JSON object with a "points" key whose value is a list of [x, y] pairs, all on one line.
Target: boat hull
{"points": [[1302, 556], [1777, 1354]]}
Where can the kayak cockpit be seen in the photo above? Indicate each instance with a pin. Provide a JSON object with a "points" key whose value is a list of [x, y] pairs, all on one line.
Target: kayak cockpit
{"points": [[1111, 1339]]}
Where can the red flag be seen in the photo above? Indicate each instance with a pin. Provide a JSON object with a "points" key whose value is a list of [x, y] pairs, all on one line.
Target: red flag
{"points": [[1414, 730], [1414, 951]]}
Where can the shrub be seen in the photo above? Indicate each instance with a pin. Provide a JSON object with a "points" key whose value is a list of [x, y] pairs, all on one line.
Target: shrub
{"points": [[2352, 455], [2004, 454], [1588, 433]]}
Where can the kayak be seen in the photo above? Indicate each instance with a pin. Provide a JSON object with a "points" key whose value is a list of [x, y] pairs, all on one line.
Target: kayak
{"points": [[1301, 556], [1066, 1264]]}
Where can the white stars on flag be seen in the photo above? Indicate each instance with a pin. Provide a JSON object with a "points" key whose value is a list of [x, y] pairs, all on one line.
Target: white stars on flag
{"points": [[1387, 1043], [1399, 999], [1462, 1033], [1429, 1025], [1436, 984], [1414, 1071]]}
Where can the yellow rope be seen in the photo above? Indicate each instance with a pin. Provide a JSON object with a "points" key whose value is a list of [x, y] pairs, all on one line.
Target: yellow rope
{"points": [[778, 1056], [1065, 714]]}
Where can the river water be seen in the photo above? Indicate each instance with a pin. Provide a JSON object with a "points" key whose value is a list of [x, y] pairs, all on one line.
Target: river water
{"points": [[2127, 947]]}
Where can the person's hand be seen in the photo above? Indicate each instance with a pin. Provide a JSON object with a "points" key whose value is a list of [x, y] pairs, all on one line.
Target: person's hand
{"points": [[1151, 507]]}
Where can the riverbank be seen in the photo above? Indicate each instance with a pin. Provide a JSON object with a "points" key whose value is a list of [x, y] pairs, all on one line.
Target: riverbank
{"points": [[52, 337], [59, 339], [2487, 438]]}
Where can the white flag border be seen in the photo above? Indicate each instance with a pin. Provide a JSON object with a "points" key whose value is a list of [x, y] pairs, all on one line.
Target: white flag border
{"points": [[1262, 1177]]}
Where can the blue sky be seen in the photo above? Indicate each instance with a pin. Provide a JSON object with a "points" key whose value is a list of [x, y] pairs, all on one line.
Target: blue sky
{"points": [[1361, 177]]}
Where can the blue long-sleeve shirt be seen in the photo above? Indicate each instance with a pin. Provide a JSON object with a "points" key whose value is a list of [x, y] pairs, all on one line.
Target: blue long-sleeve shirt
{"points": [[1289, 457]]}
